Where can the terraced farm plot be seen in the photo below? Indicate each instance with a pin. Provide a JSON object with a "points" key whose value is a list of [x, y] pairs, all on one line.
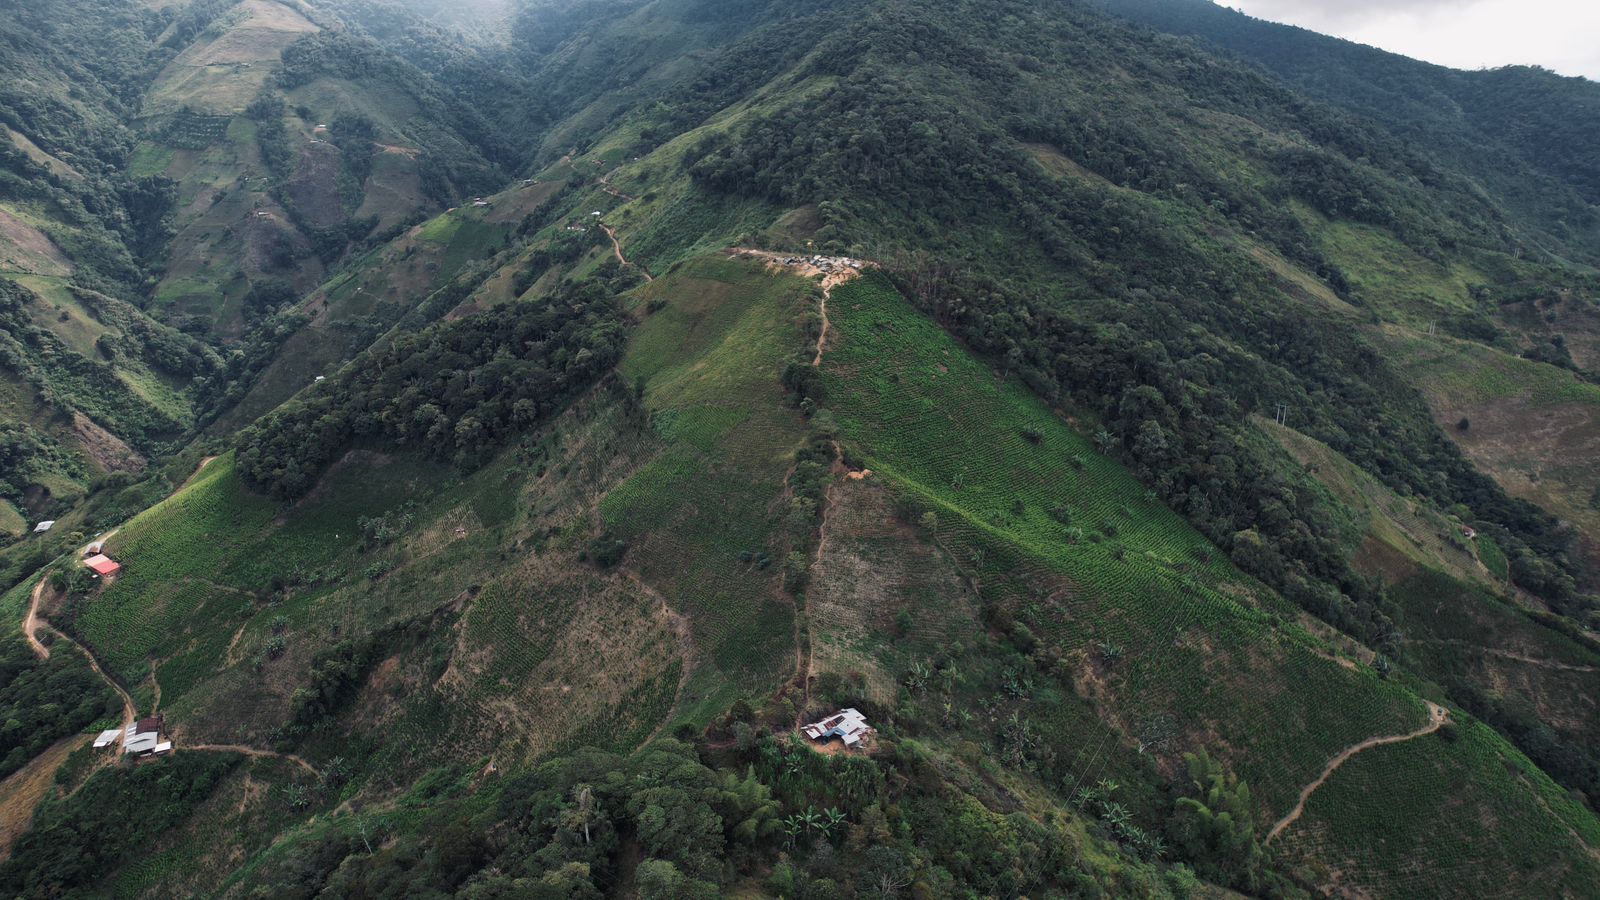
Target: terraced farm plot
{"points": [[200, 564], [25, 249], [1390, 277], [226, 68], [192, 131], [60, 312]]}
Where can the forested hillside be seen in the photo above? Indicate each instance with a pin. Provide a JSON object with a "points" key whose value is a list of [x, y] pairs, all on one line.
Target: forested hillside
{"points": [[1174, 437]]}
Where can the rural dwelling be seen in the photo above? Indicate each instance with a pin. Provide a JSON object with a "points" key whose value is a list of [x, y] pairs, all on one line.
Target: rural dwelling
{"points": [[847, 725], [44, 526], [95, 549], [143, 738], [103, 565]]}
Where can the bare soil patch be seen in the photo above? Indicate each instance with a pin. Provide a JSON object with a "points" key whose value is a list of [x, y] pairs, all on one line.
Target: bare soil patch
{"points": [[108, 451], [23, 789], [24, 248]]}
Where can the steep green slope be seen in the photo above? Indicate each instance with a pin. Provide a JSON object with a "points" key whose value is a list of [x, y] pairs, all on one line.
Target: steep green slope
{"points": [[287, 141], [657, 554], [509, 494], [1520, 132]]}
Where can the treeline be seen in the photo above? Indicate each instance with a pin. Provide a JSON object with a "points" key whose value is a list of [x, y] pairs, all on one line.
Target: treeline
{"points": [[76, 841], [45, 700], [455, 391], [677, 824], [1523, 134], [26, 454]]}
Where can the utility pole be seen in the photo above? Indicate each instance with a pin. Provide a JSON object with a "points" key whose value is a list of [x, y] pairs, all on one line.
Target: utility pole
{"points": [[1282, 417]]}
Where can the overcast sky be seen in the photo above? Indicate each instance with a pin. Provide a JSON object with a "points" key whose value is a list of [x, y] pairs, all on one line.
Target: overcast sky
{"points": [[1563, 35]]}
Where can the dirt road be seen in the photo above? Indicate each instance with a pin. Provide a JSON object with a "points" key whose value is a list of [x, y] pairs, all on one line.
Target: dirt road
{"points": [[257, 753], [129, 711], [1437, 716], [195, 474], [616, 248], [30, 622], [834, 271]]}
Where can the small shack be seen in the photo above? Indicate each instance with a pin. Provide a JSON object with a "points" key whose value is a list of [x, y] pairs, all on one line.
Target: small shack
{"points": [[44, 526], [107, 738], [847, 725], [103, 565], [95, 549]]}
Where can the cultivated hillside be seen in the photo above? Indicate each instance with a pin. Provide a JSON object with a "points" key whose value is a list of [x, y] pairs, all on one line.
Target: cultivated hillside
{"points": [[1183, 466]]}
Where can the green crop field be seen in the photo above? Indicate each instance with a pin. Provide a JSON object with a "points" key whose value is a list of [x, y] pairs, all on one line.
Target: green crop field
{"points": [[1443, 817], [710, 361], [1470, 373], [926, 416]]}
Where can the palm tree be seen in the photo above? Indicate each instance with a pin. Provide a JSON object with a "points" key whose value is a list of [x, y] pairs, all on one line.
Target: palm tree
{"points": [[836, 817]]}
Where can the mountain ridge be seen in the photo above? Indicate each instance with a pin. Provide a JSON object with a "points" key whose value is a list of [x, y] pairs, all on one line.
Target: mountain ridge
{"points": [[1123, 491]]}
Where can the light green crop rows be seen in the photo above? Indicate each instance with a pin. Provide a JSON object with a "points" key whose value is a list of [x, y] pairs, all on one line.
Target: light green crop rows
{"points": [[1438, 818]]}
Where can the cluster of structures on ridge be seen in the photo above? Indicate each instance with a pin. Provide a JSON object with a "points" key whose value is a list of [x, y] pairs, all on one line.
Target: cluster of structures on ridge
{"points": [[140, 739], [827, 265]]}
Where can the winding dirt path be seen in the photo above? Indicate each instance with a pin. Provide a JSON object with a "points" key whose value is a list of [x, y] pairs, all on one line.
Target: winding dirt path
{"points": [[195, 474], [129, 711], [822, 335], [1437, 716], [30, 622], [616, 248], [257, 753], [605, 185]]}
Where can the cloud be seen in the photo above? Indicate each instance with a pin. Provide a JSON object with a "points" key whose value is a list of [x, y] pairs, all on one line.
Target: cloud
{"points": [[1465, 34], [1341, 12]]}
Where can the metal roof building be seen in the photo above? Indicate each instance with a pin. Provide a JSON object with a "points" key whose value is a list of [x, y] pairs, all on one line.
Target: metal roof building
{"points": [[848, 725]]}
